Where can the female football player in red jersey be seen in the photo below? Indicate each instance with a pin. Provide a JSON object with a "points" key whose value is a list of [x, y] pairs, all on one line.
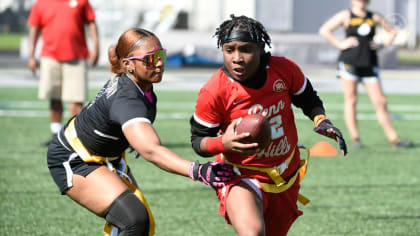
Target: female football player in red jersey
{"points": [[358, 62], [86, 159], [262, 197]]}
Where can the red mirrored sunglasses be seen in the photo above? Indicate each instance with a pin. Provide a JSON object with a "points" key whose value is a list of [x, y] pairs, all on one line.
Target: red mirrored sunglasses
{"points": [[151, 59]]}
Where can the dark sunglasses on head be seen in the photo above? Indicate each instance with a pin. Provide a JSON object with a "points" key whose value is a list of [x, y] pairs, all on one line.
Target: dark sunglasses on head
{"points": [[151, 59]]}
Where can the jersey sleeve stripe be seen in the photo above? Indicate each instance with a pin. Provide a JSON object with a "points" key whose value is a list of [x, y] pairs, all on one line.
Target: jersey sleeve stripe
{"points": [[97, 132], [205, 123], [302, 88], [134, 120]]}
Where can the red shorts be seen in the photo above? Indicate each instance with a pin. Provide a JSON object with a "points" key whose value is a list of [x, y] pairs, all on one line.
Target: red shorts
{"points": [[280, 209]]}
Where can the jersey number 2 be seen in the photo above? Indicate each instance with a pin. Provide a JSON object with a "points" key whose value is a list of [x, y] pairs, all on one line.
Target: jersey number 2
{"points": [[277, 130]]}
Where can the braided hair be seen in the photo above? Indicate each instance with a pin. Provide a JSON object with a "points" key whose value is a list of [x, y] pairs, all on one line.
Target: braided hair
{"points": [[255, 29]]}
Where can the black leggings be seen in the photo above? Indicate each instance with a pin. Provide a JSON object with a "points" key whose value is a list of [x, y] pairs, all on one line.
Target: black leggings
{"points": [[129, 215]]}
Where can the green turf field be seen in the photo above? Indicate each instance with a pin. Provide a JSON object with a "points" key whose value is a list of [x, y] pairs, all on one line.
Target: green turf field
{"points": [[10, 41], [372, 191]]}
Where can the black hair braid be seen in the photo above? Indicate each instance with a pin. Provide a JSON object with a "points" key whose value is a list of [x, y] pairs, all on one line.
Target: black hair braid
{"points": [[252, 31], [255, 29]]}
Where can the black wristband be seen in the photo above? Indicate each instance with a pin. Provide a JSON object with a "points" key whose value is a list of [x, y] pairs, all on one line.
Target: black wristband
{"points": [[195, 170]]}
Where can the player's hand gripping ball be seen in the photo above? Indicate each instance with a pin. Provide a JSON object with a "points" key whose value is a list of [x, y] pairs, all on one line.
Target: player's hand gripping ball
{"points": [[258, 128]]}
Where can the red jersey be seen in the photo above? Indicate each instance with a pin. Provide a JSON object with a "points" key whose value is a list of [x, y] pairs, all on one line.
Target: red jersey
{"points": [[63, 27], [222, 100]]}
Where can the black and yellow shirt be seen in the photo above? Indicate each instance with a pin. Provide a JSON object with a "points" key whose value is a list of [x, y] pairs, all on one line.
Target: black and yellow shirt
{"points": [[363, 28]]}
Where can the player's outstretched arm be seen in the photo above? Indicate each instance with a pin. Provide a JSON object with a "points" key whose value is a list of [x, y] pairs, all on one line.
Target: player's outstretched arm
{"points": [[324, 127], [144, 139], [212, 173]]}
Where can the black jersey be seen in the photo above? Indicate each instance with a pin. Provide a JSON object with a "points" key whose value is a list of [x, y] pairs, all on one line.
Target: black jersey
{"points": [[363, 28], [99, 125]]}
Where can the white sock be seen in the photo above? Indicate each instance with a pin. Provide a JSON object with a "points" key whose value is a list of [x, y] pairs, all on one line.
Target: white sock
{"points": [[55, 127]]}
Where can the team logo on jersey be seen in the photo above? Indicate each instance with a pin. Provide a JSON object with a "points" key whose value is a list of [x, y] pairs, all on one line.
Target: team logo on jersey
{"points": [[279, 86], [364, 29], [73, 3]]}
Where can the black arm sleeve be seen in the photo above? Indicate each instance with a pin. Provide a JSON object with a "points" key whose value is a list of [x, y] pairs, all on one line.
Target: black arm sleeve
{"points": [[198, 132], [307, 100]]}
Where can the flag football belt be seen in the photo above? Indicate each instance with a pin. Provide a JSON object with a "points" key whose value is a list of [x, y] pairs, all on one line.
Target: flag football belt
{"points": [[77, 145], [86, 156], [280, 185]]}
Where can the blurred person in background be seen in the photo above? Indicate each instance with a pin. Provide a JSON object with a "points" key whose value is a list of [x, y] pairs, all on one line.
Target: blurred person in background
{"points": [[262, 197], [358, 63], [86, 159], [64, 55]]}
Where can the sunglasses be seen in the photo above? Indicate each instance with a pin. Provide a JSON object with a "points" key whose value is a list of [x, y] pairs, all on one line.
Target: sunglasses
{"points": [[151, 59]]}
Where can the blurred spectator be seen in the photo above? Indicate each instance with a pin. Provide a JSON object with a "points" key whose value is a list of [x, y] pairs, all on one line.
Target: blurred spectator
{"points": [[63, 67], [358, 62]]}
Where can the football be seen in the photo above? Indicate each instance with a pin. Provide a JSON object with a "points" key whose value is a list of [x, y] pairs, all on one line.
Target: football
{"points": [[258, 128]]}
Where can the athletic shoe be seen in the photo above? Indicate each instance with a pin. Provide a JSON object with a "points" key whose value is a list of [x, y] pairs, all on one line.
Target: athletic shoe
{"points": [[402, 144]]}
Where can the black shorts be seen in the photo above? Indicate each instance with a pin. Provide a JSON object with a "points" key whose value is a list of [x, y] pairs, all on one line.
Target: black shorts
{"points": [[64, 162], [360, 74]]}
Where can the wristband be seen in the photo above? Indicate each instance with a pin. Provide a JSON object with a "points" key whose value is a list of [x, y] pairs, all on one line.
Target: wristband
{"points": [[193, 170], [215, 145], [318, 119]]}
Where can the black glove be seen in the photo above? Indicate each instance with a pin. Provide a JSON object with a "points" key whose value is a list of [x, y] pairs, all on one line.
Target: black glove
{"points": [[326, 128], [215, 174]]}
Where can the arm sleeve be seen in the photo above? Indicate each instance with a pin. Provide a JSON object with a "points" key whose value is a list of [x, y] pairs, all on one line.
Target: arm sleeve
{"points": [[307, 100], [198, 132], [206, 120], [301, 91]]}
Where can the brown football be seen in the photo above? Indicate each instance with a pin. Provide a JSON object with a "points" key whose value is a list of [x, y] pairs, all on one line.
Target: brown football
{"points": [[258, 128]]}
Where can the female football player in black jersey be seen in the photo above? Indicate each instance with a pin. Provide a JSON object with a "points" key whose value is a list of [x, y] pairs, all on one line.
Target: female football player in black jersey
{"points": [[262, 197], [358, 63], [87, 159]]}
